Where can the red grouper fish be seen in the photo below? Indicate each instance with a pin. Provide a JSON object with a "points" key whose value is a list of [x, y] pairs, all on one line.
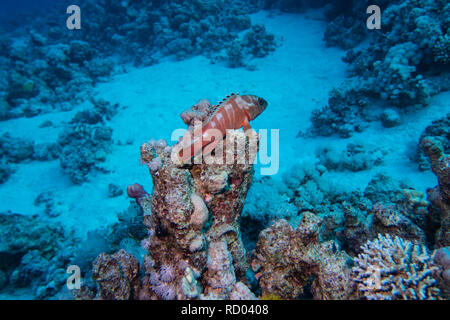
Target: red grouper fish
{"points": [[234, 112]]}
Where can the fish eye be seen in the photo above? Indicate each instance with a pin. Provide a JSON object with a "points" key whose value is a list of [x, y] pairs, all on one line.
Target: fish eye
{"points": [[261, 102]]}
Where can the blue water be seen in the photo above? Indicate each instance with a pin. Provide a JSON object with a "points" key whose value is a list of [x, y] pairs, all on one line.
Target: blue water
{"points": [[12, 7], [76, 105]]}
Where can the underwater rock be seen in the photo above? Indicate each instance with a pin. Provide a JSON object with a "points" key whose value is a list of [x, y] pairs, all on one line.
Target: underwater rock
{"points": [[256, 43], [3, 280], [287, 260], [83, 148], [439, 196], [382, 219], [438, 130], [15, 149], [393, 268], [137, 192], [390, 118], [344, 113], [52, 206], [268, 200], [46, 151], [114, 190], [345, 32], [354, 158], [242, 292], [220, 275], [117, 276], [442, 258]]}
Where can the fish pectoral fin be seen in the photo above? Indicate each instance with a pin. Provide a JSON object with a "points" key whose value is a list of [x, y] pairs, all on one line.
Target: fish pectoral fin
{"points": [[246, 125]]}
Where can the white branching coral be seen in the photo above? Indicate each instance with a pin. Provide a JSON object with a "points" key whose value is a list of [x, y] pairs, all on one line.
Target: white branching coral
{"points": [[395, 269]]}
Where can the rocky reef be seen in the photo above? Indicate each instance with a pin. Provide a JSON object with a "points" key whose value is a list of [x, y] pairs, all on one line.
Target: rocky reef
{"points": [[321, 243], [86, 141], [402, 66], [288, 260], [439, 196], [34, 254], [194, 242]]}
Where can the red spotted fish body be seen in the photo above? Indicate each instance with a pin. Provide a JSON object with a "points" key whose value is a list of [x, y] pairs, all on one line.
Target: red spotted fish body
{"points": [[234, 112]]}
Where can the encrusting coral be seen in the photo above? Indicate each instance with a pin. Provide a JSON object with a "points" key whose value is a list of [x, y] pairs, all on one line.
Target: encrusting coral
{"points": [[390, 269], [117, 276], [287, 261]]}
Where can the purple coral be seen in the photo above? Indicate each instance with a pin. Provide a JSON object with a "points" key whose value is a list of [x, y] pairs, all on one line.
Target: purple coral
{"points": [[165, 291], [153, 279], [167, 273]]}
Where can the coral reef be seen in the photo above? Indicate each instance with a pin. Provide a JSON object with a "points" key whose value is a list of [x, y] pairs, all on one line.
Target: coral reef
{"points": [[34, 254], [49, 72], [287, 261], [439, 196], [216, 231], [256, 43], [405, 63], [385, 206], [442, 258], [344, 113], [194, 243], [53, 207], [15, 150], [46, 75], [120, 270], [438, 130], [354, 158], [86, 141], [394, 269]]}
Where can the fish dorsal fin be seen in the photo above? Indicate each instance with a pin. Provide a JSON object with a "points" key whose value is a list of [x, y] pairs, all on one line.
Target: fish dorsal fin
{"points": [[226, 99], [220, 103]]}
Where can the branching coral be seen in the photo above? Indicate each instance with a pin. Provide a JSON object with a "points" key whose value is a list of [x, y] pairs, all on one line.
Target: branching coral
{"points": [[395, 268]]}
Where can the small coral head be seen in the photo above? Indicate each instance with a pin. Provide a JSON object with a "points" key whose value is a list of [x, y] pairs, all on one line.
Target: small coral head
{"points": [[254, 105]]}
